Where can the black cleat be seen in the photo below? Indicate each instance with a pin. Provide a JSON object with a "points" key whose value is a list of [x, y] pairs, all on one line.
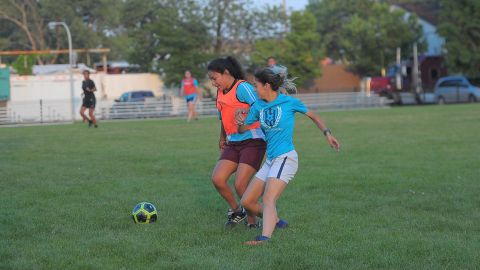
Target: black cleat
{"points": [[235, 217], [253, 226]]}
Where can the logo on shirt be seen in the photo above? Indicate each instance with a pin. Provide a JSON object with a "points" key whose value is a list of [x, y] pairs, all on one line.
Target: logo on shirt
{"points": [[270, 117]]}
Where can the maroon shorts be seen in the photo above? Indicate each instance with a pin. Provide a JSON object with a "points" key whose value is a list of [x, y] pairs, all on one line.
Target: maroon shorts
{"points": [[250, 152]]}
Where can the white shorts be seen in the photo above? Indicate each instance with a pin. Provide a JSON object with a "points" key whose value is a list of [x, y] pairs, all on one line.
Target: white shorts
{"points": [[282, 167]]}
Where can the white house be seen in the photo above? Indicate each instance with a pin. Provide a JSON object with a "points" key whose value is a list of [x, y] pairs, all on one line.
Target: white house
{"points": [[427, 18]]}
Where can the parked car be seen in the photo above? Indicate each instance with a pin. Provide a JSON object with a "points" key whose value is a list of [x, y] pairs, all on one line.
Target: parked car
{"points": [[133, 104], [382, 86], [454, 89], [135, 96]]}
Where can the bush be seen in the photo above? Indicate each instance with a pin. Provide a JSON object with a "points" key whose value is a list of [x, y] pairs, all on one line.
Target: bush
{"points": [[24, 64]]}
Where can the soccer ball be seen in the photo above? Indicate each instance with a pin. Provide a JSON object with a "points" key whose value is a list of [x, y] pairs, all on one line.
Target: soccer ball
{"points": [[144, 213]]}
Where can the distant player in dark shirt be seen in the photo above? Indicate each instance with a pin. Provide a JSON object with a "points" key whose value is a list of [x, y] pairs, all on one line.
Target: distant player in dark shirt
{"points": [[89, 100]]}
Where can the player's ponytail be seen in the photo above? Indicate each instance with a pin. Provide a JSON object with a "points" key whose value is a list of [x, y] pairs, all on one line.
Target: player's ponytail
{"points": [[229, 63], [288, 85], [236, 69], [276, 79]]}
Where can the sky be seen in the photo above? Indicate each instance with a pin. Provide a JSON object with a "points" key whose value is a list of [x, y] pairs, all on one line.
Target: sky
{"points": [[293, 4]]}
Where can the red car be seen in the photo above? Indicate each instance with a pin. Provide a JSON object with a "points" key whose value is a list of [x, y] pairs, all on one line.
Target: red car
{"points": [[381, 85]]}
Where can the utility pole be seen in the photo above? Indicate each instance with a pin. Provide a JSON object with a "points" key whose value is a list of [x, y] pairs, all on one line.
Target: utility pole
{"points": [[398, 71], [417, 83], [284, 7]]}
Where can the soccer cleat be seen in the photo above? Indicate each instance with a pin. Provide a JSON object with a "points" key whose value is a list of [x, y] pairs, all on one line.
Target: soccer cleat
{"points": [[96, 126], [235, 217], [281, 224], [258, 241], [90, 123], [253, 226]]}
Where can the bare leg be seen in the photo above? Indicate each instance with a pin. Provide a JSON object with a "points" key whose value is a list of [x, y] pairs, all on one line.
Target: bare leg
{"points": [[82, 114], [194, 112], [243, 176], [273, 190], [190, 111], [92, 116], [252, 195], [220, 176]]}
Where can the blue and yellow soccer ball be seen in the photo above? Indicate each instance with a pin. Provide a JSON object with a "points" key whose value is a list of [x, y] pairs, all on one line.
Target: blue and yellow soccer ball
{"points": [[144, 213]]}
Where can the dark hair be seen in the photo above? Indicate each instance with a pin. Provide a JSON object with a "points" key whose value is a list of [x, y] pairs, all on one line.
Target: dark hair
{"points": [[277, 78], [229, 63], [266, 75], [86, 71]]}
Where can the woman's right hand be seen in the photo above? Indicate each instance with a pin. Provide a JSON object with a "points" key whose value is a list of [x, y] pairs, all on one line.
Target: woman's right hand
{"points": [[221, 143], [240, 115]]}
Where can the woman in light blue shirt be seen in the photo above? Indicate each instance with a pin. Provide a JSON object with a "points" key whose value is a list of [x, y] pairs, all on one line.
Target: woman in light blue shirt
{"points": [[276, 113]]}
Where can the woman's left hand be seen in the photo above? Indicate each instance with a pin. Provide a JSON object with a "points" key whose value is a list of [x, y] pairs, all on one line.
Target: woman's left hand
{"points": [[333, 142]]}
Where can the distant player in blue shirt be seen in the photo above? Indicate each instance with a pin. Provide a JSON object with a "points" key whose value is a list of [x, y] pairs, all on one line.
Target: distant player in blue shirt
{"points": [[276, 113]]}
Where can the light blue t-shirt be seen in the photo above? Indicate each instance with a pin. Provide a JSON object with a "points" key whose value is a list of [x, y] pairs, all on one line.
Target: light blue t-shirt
{"points": [[277, 119], [246, 94]]}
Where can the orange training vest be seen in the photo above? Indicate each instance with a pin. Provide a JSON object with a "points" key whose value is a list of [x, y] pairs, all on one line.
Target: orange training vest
{"points": [[189, 86], [227, 104]]}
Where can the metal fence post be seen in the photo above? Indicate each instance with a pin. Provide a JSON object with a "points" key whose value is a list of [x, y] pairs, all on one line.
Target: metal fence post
{"points": [[41, 111]]}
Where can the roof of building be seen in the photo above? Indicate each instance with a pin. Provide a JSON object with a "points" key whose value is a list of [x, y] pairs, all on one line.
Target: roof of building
{"points": [[62, 68], [117, 64], [428, 10]]}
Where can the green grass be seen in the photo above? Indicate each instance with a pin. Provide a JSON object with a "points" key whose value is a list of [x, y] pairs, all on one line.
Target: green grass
{"points": [[402, 194]]}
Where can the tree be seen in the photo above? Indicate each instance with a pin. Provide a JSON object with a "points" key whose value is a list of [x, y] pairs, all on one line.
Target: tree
{"points": [[236, 24], [8, 35], [163, 36], [461, 28], [91, 23], [299, 51], [25, 15], [364, 33], [24, 64], [373, 40], [168, 37], [183, 45]]}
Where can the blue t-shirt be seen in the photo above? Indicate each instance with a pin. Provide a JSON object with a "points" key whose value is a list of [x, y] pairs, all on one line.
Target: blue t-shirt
{"points": [[277, 119], [246, 94]]}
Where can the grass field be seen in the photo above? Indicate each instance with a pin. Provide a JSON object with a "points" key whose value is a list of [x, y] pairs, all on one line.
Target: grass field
{"points": [[404, 193]]}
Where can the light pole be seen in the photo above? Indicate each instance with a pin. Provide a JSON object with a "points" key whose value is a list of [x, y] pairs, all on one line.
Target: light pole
{"points": [[52, 25]]}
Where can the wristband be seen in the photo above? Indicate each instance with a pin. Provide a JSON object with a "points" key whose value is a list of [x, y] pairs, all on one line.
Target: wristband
{"points": [[327, 131]]}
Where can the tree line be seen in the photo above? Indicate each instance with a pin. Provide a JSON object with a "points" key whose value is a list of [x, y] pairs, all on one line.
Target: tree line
{"points": [[169, 36]]}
